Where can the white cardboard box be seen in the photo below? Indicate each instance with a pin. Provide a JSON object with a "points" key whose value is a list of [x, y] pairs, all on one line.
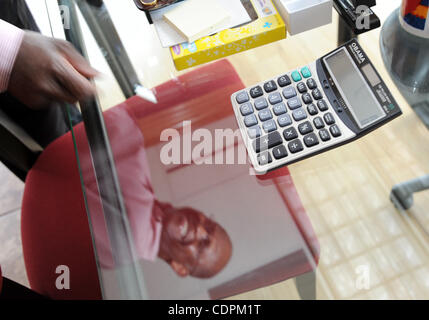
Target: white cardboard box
{"points": [[304, 15]]}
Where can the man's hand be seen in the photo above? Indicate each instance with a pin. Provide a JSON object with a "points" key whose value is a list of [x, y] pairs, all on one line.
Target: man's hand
{"points": [[48, 70]]}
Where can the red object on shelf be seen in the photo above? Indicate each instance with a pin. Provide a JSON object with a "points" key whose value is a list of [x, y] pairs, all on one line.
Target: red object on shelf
{"points": [[410, 5]]}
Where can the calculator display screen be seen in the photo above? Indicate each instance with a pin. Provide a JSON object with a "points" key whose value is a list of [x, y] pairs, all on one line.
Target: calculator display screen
{"points": [[354, 89]]}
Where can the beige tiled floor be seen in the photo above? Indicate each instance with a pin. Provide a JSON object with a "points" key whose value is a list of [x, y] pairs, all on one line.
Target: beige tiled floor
{"points": [[11, 259]]}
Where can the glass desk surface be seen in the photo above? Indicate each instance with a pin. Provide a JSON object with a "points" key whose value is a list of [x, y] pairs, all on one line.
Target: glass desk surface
{"points": [[322, 228]]}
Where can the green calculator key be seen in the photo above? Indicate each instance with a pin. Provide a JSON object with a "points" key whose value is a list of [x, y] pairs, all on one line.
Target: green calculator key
{"points": [[296, 76], [306, 73]]}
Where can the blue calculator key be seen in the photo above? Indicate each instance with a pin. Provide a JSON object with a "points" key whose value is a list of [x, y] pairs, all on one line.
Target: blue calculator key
{"points": [[261, 103], [279, 109], [289, 92], [275, 98], [265, 115], [242, 97], [296, 76], [250, 121], [294, 103], [254, 132], [269, 126], [306, 73], [299, 114], [284, 120], [246, 109]]}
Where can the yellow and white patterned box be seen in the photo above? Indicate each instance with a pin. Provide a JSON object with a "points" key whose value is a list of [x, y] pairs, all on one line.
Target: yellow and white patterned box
{"points": [[267, 28]]}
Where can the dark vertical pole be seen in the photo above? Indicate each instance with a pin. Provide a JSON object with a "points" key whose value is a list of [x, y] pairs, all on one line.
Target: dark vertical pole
{"points": [[128, 274], [345, 33]]}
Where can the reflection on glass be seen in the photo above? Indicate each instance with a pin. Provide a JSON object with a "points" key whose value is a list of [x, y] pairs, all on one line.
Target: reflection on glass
{"points": [[199, 230]]}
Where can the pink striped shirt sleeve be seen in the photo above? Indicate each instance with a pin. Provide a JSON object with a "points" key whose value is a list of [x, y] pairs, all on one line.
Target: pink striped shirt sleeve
{"points": [[10, 42]]}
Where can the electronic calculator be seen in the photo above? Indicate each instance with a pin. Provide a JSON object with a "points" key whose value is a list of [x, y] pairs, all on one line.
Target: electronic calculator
{"points": [[332, 101]]}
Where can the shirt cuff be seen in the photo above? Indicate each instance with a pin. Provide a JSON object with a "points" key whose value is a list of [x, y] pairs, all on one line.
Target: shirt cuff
{"points": [[10, 42]]}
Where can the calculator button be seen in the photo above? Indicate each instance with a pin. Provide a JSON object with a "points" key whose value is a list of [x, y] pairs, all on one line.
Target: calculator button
{"points": [[324, 135], [305, 128], [254, 132], [270, 86], [317, 95], [265, 115], [322, 105], [290, 134], [269, 126], [246, 109], [294, 103], [326, 84], [335, 131], [279, 109], [329, 119], [312, 110], [299, 114], [242, 97], [275, 98], [289, 92], [337, 106], [306, 97], [301, 87], [250, 121], [311, 140], [280, 152], [295, 146], [284, 120], [296, 76], [311, 84], [306, 72], [256, 92], [261, 103], [284, 81], [267, 142], [318, 123], [264, 158]]}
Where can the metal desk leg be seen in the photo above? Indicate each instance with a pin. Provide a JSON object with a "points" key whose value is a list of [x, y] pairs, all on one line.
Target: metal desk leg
{"points": [[344, 32], [306, 285], [402, 193], [99, 21]]}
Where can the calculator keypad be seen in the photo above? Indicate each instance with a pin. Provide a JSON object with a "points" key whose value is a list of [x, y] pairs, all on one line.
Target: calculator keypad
{"points": [[286, 116]]}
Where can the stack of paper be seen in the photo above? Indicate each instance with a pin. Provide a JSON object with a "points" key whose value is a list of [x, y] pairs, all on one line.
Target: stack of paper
{"points": [[170, 36], [194, 19]]}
